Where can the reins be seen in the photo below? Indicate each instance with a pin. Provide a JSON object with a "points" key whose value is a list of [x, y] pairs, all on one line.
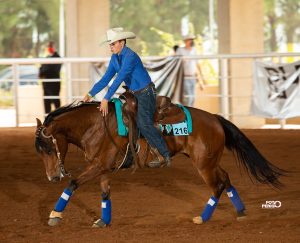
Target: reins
{"points": [[130, 145], [120, 150]]}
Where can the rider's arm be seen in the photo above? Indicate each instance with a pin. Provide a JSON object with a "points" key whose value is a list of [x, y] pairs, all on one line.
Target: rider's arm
{"points": [[124, 73], [103, 82]]}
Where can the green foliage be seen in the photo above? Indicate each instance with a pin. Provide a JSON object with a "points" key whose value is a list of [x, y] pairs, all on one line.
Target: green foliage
{"points": [[291, 18], [6, 99], [25, 25], [157, 23], [286, 13], [270, 25]]}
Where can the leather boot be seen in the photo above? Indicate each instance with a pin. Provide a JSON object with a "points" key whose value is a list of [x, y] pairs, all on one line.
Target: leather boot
{"points": [[167, 161]]}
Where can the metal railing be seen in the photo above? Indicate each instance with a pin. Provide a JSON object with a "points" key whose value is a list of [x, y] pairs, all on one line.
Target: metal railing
{"points": [[223, 76]]}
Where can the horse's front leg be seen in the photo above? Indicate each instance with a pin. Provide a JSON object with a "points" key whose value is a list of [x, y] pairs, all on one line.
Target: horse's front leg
{"points": [[91, 172], [105, 204]]}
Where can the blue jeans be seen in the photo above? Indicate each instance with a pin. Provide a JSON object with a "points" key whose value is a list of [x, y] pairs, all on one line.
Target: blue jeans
{"points": [[189, 91], [145, 121]]}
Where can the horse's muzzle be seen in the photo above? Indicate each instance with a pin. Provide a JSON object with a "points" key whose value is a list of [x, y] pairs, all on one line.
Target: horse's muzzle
{"points": [[55, 177]]}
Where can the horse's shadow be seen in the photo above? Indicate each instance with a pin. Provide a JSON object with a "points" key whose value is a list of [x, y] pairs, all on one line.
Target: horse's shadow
{"points": [[163, 180]]}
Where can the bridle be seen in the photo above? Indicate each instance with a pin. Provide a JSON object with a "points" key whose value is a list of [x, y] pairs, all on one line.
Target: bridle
{"points": [[39, 132]]}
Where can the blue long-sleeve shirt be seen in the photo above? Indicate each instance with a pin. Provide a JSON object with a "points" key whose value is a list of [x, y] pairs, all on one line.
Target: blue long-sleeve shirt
{"points": [[129, 68]]}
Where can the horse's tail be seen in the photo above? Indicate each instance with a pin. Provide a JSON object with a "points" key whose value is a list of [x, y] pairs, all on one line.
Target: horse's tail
{"points": [[248, 155]]}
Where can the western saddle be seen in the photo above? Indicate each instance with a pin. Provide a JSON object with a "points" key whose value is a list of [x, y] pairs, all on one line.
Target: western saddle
{"points": [[166, 113]]}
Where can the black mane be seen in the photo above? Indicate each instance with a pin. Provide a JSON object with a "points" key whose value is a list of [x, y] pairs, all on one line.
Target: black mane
{"points": [[70, 107]]}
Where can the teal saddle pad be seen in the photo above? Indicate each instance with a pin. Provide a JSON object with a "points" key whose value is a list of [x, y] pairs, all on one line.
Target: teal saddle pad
{"points": [[179, 129]]}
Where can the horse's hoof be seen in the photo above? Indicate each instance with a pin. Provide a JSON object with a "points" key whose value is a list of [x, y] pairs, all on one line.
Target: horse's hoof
{"points": [[54, 221], [241, 216], [99, 224], [198, 220]]}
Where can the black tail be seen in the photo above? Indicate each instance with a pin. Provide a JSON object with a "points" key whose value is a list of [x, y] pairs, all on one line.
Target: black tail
{"points": [[248, 155]]}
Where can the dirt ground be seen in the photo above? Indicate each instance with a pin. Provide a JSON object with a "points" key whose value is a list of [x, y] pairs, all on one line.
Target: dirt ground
{"points": [[152, 205]]}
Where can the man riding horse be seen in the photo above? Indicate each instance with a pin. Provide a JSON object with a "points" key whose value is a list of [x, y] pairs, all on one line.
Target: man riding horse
{"points": [[82, 126], [129, 68]]}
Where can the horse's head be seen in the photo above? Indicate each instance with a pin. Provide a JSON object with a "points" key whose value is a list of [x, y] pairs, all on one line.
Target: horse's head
{"points": [[47, 147]]}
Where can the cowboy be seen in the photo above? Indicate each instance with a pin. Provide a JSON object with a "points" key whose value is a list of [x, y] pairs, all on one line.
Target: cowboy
{"points": [[129, 68], [191, 70]]}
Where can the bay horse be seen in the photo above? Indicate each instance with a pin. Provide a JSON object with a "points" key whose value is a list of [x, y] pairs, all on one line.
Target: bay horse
{"points": [[97, 136]]}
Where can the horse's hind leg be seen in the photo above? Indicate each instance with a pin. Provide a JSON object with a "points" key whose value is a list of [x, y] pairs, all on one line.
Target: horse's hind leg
{"points": [[235, 199], [232, 194], [218, 180], [105, 204]]}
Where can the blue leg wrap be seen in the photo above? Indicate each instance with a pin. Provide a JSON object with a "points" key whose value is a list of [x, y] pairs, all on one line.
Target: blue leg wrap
{"points": [[209, 208], [106, 211], [235, 199], [63, 200]]}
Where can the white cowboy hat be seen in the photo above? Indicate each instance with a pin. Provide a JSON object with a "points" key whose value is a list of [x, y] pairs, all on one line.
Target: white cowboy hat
{"points": [[116, 34], [189, 37]]}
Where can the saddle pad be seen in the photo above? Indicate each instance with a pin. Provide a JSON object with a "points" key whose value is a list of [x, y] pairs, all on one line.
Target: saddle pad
{"points": [[188, 118], [178, 129], [122, 129]]}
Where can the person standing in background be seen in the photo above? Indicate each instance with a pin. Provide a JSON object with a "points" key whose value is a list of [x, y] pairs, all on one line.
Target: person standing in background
{"points": [[191, 71], [50, 71]]}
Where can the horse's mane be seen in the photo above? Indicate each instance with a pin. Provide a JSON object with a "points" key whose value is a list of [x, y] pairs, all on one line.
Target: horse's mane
{"points": [[70, 107]]}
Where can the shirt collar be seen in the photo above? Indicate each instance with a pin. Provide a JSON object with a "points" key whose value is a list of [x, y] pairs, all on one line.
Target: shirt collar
{"points": [[122, 53]]}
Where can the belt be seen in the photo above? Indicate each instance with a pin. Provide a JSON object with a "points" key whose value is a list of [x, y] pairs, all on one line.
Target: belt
{"points": [[150, 85]]}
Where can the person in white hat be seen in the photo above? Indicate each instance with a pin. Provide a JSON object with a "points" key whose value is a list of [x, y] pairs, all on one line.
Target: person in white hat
{"points": [[191, 70], [129, 68]]}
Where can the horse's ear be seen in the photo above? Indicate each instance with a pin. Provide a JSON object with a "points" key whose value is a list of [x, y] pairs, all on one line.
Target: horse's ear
{"points": [[38, 122]]}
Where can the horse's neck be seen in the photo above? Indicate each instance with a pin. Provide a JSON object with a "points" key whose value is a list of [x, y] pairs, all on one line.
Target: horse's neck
{"points": [[72, 126], [81, 124]]}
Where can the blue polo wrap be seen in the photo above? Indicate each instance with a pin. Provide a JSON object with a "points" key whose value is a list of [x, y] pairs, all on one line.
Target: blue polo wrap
{"points": [[63, 200], [235, 199], [106, 211], [209, 208]]}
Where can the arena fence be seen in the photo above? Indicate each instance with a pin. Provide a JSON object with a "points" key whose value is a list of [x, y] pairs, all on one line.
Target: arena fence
{"points": [[19, 105]]}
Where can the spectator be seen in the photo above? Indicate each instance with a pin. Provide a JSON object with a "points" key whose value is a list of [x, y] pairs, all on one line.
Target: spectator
{"points": [[191, 71], [50, 71]]}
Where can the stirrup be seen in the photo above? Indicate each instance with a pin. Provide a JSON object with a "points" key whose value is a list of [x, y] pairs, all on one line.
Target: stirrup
{"points": [[154, 164], [158, 164]]}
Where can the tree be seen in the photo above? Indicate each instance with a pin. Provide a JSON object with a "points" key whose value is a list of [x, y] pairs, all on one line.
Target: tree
{"points": [[271, 23], [155, 21], [290, 18], [25, 25], [287, 14]]}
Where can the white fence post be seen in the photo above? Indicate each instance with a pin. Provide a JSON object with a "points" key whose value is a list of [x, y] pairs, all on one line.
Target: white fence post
{"points": [[16, 78], [69, 82], [224, 88]]}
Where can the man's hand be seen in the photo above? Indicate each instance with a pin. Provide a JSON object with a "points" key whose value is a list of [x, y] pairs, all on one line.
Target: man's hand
{"points": [[104, 107], [87, 98]]}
